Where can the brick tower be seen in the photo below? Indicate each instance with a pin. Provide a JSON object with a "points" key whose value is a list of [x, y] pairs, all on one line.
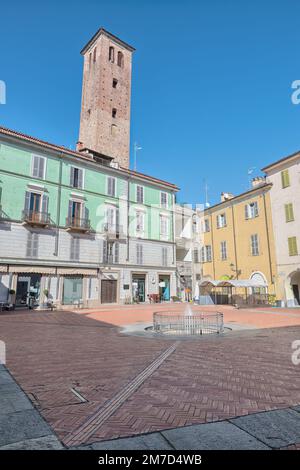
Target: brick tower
{"points": [[105, 107]]}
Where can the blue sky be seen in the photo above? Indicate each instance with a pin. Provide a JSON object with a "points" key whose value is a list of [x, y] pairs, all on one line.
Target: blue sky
{"points": [[211, 90]]}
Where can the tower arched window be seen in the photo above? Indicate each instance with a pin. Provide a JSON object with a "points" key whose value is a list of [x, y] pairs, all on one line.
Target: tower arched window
{"points": [[120, 59], [111, 56]]}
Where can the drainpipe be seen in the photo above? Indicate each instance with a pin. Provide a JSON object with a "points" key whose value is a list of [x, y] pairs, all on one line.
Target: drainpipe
{"points": [[58, 207], [128, 218], [268, 238], [234, 243]]}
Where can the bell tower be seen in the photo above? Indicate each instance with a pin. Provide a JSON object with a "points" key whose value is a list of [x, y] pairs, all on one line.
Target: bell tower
{"points": [[106, 90]]}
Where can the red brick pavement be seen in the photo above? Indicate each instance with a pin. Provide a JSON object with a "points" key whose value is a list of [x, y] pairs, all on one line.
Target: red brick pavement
{"points": [[204, 380]]}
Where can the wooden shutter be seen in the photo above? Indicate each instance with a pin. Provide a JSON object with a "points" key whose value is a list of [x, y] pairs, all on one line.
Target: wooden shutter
{"points": [[45, 201], [41, 170], [293, 249], [104, 252], [35, 166], [27, 201], [116, 252], [80, 178], [71, 176], [35, 243], [247, 211], [285, 178]]}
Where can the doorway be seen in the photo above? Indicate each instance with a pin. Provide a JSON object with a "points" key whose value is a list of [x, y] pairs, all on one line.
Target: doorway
{"points": [[138, 288], [295, 288], [28, 290], [164, 287], [108, 291]]}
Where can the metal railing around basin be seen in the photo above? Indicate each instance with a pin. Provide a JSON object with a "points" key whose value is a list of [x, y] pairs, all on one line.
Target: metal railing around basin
{"points": [[196, 324]]}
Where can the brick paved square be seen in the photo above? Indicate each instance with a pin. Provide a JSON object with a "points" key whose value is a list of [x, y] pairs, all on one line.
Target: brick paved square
{"points": [[51, 355]]}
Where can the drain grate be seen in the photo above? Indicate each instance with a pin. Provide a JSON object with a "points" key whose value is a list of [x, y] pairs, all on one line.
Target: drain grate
{"points": [[93, 423]]}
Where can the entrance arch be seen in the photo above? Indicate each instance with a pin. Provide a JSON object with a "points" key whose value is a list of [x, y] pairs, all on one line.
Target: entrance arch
{"points": [[260, 280], [292, 289]]}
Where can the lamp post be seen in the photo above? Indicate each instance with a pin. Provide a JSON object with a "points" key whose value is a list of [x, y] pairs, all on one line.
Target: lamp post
{"points": [[136, 147]]}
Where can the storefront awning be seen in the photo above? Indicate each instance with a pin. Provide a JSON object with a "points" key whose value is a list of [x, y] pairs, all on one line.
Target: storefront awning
{"points": [[31, 269], [77, 272], [234, 283], [3, 268]]}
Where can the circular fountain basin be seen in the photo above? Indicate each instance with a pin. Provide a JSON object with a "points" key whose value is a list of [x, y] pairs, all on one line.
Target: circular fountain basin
{"points": [[188, 323]]}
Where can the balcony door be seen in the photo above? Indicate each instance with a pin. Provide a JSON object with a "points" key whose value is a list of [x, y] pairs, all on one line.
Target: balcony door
{"points": [[76, 212]]}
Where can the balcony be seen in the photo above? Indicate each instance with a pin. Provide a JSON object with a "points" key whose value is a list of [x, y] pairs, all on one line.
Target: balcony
{"points": [[77, 224], [113, 231], [184, 268], [36, 218]]}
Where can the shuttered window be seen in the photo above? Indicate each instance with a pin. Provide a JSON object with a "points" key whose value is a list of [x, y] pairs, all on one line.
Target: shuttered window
{"points": [[76, 177], [140, 222], [285, 178], [116, 252], [139, 254], [32, 245], [289, 212], [251, 210], [221, 220], [75, 249], [111, 186], [38, 167], [164, 256], [164, 226], [140, 194], [254, 245], [163, 200], [293, 249], [223, 250]]}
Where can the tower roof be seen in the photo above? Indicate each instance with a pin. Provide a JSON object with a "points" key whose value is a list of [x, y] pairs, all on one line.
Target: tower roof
{"points": [[109, 35]]}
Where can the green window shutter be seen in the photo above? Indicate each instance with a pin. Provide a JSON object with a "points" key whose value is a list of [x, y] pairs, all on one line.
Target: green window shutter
{"points": [[293, 249], [285, 178], [289, 212]]}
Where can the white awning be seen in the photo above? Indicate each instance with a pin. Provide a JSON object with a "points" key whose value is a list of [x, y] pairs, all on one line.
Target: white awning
{"points": [[234, 283], [31, 269]]}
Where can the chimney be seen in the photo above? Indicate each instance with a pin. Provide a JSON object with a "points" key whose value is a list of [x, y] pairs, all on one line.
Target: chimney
{"points": [[258, 181], [79, 146], [226, 196]]}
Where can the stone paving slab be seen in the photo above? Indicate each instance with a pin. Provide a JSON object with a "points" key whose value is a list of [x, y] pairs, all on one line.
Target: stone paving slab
{"points": [[42, 443], [22, 425], [278, 428], [212, 436], [153, 441]]}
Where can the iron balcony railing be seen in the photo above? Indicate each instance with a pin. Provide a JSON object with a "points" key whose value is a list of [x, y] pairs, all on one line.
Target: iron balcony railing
{"points": [[114, 230], [78, 223], [36, 217]]}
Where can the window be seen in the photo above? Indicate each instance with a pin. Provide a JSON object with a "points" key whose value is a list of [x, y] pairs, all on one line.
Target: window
{"points": [[76, 177], [206, 254], [164, 226], [285, 178], [120, 59], [293, 248], [254, 245], [111, 186], [164, 256], [114, 113], [251, 210], [196, 256], [112, 218], [140, 219], [139, 254], [114, 83], [140, 194], [113, 130], [223, 251], [206, 225], [95, 55], [75, 212], [38, 167], [32, 245], [90, 59], [75, 249], [72, 290], [221, 220], [111, 55], [163, 200], [110, 252], [289, 212], [36, 204]]}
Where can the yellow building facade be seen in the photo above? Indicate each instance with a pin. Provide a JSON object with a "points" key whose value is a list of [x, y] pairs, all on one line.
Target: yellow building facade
{"points": [[238, 240]]}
